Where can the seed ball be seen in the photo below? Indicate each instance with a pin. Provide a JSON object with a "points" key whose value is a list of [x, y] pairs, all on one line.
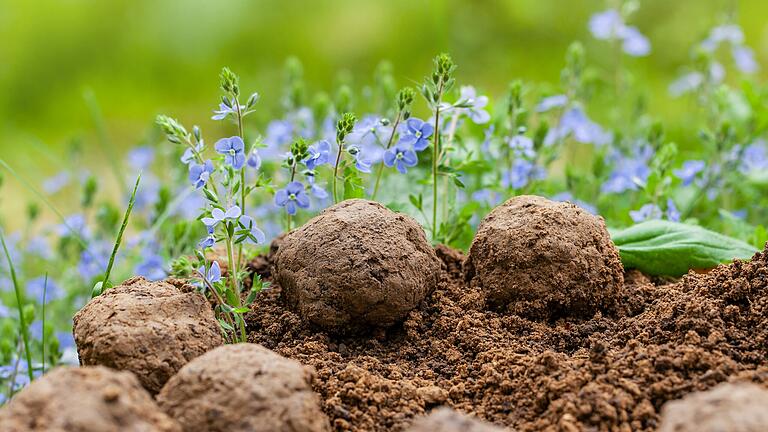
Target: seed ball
{"points": [[448, 420], [543, 259], [85, 399], [244, 388], [355, 266], [741, 407], [149, 328]]}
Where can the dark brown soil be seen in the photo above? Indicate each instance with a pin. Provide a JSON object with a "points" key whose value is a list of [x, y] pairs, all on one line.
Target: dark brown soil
{"points": [[243, 388], [741, 407], [88, 399], [602, 373], [545, 259], [149, 328], [356, 265]]}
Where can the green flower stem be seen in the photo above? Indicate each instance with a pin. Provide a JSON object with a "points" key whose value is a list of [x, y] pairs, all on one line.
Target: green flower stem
{"points": [[20, 305], [234, 284], [242, 177], [435, 156], [336, 172], [119, 238], [381, 166]]}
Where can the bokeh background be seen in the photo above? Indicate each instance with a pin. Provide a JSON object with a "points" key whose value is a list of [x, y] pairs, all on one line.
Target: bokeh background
{"points": [[96, 72]]}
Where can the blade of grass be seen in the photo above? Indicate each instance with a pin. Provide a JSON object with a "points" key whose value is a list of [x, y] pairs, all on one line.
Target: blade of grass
{"points": [[20, 306], [45, 201], [105, 283], [45, 293], [106, 144]]}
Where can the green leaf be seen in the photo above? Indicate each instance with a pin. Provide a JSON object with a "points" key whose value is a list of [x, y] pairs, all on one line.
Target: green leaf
{"points": [[353, 184], [669, 248]]}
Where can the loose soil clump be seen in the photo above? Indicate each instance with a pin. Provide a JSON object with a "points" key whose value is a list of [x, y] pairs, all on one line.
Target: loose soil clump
{"points": [[545, 259], [356, 266], [87, 399], [596, 371], [243, 387], [448, 420], [149, 328], [727, 407]]}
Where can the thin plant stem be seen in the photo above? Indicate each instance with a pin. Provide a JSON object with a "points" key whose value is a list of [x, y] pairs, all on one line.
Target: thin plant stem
{"points": [[242, 176], [45, 292], [233, 281], [381, 167], [20, 306], [119, 238], [336, 171], [435, 154]]}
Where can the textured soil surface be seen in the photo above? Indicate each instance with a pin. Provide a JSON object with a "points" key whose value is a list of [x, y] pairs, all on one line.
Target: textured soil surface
{"points": [[243, 388], [355, 265], [448, 420], [149, 328], [588, 373], [545, 259], [88, 399]]}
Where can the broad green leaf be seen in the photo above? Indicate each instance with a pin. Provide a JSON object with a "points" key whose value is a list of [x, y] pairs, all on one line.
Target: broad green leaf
{"points": [[669, 248]]}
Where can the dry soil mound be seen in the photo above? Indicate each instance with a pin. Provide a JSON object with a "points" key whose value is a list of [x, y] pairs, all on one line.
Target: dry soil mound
{"points": [[88, 399], [243, 388], [448, 420], [149, 328]]}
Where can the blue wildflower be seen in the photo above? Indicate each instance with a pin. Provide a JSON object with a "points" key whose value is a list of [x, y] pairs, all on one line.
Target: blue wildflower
{"points": [[368, 132], [189, 156], [141, 157], [213, 274], [628, 171], [318, 191], [522, 146], [609, 25], [4, 311], [401, 156], [686, 83], [727, 33], [475, 112], [219, 215], [152, 267], [673, 214], [551, 102], [521, 173], [233, 150], [200, 173], [575, 122], [487, 196], [744, 58], [254, 160], [646, 212], [319, 154], [415, 133], [225, 110], [689, 171], [255, 235], [755, 158], [51, 185], [363, 162], [292, 196]]}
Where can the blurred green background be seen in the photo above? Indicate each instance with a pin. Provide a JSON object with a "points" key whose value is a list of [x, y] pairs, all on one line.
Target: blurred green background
{"points": [[139, 58]]}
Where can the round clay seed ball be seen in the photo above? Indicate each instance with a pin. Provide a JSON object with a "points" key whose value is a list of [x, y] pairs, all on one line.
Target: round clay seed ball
{"points": [[356, 265], [244, 387], [448, 420], [544, 259], [87, 399], [149, 328], [728, 407]]}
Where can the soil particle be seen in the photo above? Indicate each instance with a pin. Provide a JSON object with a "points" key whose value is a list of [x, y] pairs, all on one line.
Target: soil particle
{"points": [[727, 407], [244, 387], [545, 259], [600, 372], [356, 266], [87, 399], [149, 328], [448, 420]]}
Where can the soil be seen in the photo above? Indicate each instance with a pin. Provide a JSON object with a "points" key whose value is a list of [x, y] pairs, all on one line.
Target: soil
{"points": [[354, 266], [211, 394], [728, 407], [572, 372], [85, 399], [544, 259], [149, 328]]}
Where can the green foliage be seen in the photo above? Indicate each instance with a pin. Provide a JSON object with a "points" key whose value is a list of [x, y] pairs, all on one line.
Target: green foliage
{"points": [[669, 248]]}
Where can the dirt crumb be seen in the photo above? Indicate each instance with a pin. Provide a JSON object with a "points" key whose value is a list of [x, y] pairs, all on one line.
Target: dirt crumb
{"points": [[149, 328], [85, 399]]}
